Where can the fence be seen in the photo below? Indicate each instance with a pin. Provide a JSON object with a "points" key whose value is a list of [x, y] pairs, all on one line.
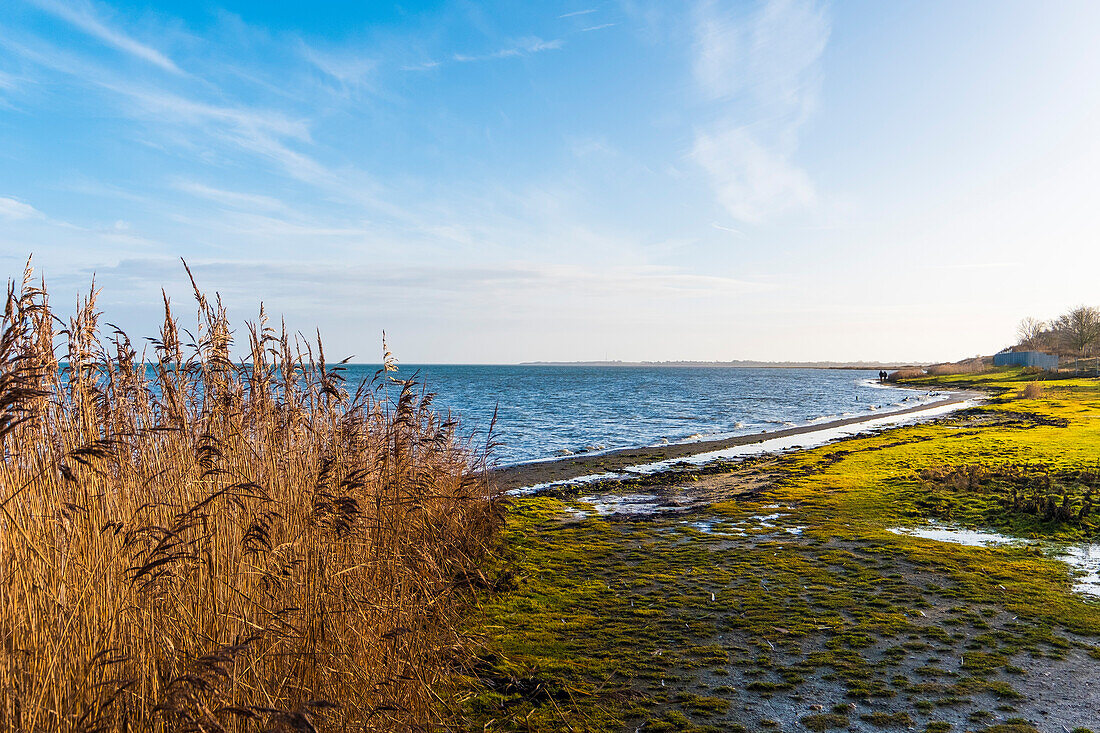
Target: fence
{"points": [[1084, 366]]}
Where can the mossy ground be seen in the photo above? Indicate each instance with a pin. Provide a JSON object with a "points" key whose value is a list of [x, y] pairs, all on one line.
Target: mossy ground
{"points": [[818, 619]]}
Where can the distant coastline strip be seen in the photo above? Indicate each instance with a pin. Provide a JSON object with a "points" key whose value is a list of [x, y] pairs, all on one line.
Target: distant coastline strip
{"points": [[736, 364]]}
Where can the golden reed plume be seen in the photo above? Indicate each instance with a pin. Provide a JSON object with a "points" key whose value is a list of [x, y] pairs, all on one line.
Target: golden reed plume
{"points": [[189, 542]]}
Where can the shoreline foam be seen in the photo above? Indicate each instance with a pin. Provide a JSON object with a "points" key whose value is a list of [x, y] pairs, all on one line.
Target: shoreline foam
{"points": [[534, 476]]}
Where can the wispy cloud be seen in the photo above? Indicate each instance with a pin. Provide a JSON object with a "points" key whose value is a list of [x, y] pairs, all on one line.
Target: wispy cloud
{"points": [[15, 210], [761, 71], [577, 12], [234, 199], [974, 266], [424, 284], [731, 230], [527, 46], [422, 66], [598, 27], [752, 181], [271, 134], [351, 69], [83, 16]]}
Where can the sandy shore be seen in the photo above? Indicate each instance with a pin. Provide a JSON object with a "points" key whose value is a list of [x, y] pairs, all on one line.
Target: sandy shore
{"points": [[564, 469]]}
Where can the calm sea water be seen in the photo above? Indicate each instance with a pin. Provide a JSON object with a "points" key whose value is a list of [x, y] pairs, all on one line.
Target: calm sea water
{"points": [[548, 411]]}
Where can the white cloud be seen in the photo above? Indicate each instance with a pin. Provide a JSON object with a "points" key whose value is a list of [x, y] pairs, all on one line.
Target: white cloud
{"points": [[14, 210], [527, 46], [731, 230], [761, 71], [770, 54], [577, 12], [82, 15], [752, 181], [426, 285], [233, 199], [352, 70]]}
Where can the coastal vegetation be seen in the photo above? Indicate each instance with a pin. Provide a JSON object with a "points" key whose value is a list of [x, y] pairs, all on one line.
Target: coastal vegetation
{"points": [[191, 542], [794, 592], [1074, 333], [188, 542]]}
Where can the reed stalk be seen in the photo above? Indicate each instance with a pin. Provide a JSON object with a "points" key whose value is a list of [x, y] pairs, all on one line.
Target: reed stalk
{"points": [[193, 542]]}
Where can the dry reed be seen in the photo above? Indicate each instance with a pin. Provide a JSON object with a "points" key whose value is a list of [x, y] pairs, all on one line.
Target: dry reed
{"points": [[1032, 391], [910, 373], [191, 543], [966, 366]]}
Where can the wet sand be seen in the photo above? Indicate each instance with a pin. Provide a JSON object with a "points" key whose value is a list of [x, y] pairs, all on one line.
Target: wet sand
{"points": [[571, 467]]}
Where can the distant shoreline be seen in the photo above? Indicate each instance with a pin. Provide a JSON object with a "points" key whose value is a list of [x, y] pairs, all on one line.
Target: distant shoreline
{"points": [[853, 365]]}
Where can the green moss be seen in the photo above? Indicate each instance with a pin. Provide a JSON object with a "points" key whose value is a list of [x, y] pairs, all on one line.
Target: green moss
{"points": [[885, 720], [824, 721], [702, 704]]}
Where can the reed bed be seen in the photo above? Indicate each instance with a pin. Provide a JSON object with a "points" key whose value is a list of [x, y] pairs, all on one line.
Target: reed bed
{"points": [[966, 366], [189, 542], [910, 373]]}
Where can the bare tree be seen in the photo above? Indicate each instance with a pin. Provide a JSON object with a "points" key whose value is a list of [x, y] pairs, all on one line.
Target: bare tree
{"points": [[1079, 329], [1031, 332]]}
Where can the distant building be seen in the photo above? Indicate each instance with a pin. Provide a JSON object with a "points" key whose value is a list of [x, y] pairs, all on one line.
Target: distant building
{"points": [[1026, 359]]}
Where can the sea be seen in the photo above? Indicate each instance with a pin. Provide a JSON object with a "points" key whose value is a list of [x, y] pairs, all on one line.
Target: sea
{"points": [[546, 412]]}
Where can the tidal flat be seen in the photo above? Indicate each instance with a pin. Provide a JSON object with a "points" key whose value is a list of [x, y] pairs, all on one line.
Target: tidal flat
{"points": [[776, 594]]}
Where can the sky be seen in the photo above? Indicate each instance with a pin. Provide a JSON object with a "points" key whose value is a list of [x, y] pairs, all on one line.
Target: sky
{"points": [[495, 182]]}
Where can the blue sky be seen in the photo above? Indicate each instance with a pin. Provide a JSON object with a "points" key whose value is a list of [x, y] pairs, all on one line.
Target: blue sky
{"points": [[498, 182]]}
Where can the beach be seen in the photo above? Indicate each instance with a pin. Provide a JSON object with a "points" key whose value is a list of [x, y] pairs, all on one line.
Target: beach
{"points": [[561, 470]]}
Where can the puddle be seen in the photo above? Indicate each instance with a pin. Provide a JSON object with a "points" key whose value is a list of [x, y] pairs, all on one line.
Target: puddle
{"points": [[578, 481], [608, 504], [1083, 558], [1086, 560], [742, 527], [712, 526], [767, 519], [959, 536]]}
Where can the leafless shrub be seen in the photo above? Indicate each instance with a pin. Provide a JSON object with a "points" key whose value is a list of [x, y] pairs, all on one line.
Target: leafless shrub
{"points": [[1032, 391]]}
